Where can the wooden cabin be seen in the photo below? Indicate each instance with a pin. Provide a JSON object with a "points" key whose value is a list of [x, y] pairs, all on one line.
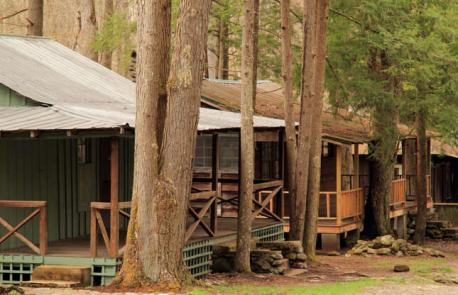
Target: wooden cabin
{"points": [[66, 153], [444, 180]]}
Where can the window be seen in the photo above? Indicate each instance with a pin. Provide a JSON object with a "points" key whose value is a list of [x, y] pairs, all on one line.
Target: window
{"points": [[229, 147], [203, 157]]}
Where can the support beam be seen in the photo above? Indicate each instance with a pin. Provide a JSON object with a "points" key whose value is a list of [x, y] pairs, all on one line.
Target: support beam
{"points": [[338, 182], [114, 200], [356, 166], [280, 203], [216, 175]]}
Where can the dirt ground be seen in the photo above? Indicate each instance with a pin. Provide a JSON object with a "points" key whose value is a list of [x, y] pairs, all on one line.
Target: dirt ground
{"points": [[329, 270]]}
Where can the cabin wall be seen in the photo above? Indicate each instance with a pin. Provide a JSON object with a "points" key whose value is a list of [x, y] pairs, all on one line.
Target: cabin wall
{"points": [[10, 98], [48, 169]]}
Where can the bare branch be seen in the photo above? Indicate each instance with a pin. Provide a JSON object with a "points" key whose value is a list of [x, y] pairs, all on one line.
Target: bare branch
{"points": [[13, 14]]}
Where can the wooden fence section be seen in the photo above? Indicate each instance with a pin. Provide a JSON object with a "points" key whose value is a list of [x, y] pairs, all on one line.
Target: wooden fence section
{"points": [[111, 241], [398, 193], [41, 211], [352, 203], [341, 206], [200, 204]]}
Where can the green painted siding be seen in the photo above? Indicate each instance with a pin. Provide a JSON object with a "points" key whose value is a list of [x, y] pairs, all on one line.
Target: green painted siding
{"points": [[47, 169], [9, 98]]}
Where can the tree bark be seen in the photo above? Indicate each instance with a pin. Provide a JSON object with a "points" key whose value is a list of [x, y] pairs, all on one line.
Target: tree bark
{"points": [[222, 50], [420, 221], [308, 85], [87, 29], [105, 57], [290, 124], [249, 66], [313, 195], [173, 187], [35, 18], [144, 236]]}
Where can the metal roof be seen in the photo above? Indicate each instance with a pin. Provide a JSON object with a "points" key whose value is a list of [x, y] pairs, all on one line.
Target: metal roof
{"points": [[225, 95], [79, 93]]}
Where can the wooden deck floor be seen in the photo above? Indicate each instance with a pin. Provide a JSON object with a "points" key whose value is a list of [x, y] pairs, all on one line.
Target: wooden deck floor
{"points": [[79, 247]]}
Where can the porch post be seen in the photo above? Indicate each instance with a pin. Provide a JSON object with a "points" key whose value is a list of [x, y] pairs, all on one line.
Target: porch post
{"points": [[356, 166], [338, 182], [280, 203], [215, 181], [114, 204]]}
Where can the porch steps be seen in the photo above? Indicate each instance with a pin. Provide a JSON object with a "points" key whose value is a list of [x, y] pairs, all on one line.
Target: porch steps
{"points": [[62, 276]]}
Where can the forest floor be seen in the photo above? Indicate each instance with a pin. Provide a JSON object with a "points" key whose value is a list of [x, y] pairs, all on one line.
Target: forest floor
{"points": [[336, 275]]}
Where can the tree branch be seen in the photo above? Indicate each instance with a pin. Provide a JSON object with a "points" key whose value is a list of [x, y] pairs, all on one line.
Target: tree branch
{"points": [[13, 14]]}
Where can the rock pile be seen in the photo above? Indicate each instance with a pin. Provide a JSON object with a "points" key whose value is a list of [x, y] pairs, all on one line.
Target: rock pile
{"points": [[266, 257], [292, 250], [435, 229], [388, 245]]}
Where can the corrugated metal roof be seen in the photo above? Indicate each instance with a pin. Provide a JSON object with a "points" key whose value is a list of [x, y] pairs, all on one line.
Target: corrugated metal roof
{"points": [[225, 95], [52, 118], [82, 94]]}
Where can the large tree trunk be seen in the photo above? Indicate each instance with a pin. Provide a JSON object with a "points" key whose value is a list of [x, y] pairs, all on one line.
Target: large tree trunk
{"points": [[420, 221], [249, 66], [313, 195], [87, 29], [290, 124], [35, 18], [173, 188], [308, 85], [105, 57], [152, 73]]}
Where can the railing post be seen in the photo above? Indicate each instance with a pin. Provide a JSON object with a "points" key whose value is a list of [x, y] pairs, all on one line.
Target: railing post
{"points": [[338, 183], [43, 230], [114, 209], [93, 242]]}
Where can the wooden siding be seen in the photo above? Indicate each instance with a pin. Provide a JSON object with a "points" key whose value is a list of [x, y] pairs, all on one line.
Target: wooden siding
{"points": [[10, 98], [47, 169]]}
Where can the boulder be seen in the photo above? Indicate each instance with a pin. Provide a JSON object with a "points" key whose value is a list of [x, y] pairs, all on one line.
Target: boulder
{"points": [[333, 253], [401, 268], [383, 251], [387, 240]]}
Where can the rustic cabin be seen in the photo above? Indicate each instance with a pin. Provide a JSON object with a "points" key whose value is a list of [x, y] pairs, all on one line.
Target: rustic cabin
{"points": [[444, 180], [66, 153], [343, 187]]}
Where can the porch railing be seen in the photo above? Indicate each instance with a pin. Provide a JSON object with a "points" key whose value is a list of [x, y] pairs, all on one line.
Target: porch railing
{"points": [[201, 203], [341, 206], [398, 193], [97, 223], [41, 211]]}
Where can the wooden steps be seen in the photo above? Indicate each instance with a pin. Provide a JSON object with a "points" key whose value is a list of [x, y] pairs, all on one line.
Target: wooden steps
{"points": [[60, 276]]}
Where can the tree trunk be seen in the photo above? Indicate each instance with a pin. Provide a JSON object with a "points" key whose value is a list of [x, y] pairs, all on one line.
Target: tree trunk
{"points": [[308, 85], [105, 57], [313, 195], [249, 66], [380, 190], [222, 50], [35, 18], [143, 237], [290, 124], [87, 29], [173, 188], [420, 221]]}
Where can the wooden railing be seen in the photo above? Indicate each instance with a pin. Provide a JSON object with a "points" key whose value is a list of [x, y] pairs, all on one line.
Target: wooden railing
{"points": [[265, 202], [41, 210], [398, 193], [338, 206], [352, 203], [200, 203], [111, 242]]}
